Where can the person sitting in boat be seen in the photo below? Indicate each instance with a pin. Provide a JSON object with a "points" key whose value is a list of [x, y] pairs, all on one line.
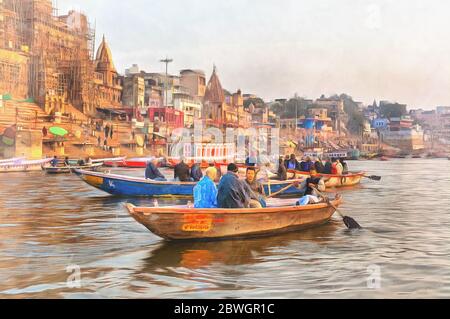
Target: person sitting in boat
{"points": [[205, 192], [196, 172], [287, 158], [81, 162], [152, 172], [313, 181], [293, 163], [182, 173], [327, 167], [336, 167], [344, 166], [281, 172], [231, 192], [318, 165], [54, 161], [66, 161], [305, 166], [255, 190]]}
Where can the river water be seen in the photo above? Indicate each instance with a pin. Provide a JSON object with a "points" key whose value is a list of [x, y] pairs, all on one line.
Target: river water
{"points": [[60, 238]]}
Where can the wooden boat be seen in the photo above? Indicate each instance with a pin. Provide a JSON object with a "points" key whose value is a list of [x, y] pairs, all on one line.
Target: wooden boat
{"points": [[12, 160], [182, 223], [350, 179], [121, 185], [130, 163], [68, 169], [24, 166]]}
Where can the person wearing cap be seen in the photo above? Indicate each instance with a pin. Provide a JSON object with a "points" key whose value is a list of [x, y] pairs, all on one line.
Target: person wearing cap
{"points": [[231, 191], [205, 192]]}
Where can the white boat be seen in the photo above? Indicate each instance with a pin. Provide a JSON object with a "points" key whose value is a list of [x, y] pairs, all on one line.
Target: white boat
{"points": [[23, 166], [112, 159], [12, 160]]}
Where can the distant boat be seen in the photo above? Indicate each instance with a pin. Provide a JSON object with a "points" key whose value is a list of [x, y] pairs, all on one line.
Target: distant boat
{"points": [[183, 223], [23, 166], [140, 162], [68, 169], [12, 160], [350, 179]]}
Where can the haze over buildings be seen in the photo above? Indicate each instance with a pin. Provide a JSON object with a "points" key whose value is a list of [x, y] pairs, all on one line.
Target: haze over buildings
{"points": [[382, 49]]}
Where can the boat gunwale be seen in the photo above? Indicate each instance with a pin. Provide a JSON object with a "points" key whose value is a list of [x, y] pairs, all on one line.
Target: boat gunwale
{"points": [[351, 174], [141, 210], [56, 168]]}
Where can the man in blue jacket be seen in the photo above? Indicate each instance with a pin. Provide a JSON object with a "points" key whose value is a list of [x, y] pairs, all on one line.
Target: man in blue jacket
{"points": [[231, 191], [205, 192]]}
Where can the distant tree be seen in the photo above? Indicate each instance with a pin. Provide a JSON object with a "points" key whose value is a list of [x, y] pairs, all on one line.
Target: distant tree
{"points": [[393, 110], [257, 102], [291, 107]]}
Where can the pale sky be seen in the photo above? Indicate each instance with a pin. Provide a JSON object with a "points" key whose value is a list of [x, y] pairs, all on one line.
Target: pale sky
{"points": [[395, 50]]}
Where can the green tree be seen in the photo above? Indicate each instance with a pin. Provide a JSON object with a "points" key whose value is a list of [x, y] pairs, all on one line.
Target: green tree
{"points": [[393, 110]]}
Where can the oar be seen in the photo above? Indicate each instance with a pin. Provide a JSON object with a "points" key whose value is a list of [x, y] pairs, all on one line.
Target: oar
{"points": [[348, 221], [373, 177], [295, 184]]}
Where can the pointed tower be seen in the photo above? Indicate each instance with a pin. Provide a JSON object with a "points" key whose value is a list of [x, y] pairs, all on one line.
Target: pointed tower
{"points": [[214, 91], [104, 63], [214, 99], [110, 90]]}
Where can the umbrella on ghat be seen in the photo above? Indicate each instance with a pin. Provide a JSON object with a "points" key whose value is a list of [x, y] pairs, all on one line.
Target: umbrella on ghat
{"points": [[58, 131]]}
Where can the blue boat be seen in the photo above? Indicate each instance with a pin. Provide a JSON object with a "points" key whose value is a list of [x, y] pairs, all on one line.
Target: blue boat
{"points": [[121, 185]]}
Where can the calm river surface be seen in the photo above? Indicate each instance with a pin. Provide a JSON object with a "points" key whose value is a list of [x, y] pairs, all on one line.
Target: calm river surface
{"points": [[50, 225]]}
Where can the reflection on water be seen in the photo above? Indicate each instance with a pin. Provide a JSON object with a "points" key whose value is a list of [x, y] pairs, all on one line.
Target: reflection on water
{"points": [[48, 223]]}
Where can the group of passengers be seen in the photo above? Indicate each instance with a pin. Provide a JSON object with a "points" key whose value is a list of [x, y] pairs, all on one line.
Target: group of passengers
{"points": [[331, 166]]}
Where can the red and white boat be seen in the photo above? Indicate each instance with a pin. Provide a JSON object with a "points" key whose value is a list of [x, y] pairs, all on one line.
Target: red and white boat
{"points": [[140, 162], [205, 153]]}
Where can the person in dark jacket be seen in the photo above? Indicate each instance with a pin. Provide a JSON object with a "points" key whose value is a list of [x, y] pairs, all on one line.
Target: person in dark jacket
{"points": [[182, 173], [306, 165], [327, 167], [318, 165], [152, 172], [286, 161], [293, 163], [196, 172], [231, 191]]}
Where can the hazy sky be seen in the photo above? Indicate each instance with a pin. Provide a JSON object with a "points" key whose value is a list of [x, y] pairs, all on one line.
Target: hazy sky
{"points": [[386, 49]]}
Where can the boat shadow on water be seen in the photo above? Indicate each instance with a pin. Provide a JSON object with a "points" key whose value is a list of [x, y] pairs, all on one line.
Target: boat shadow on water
{"points": [[199, 254]]}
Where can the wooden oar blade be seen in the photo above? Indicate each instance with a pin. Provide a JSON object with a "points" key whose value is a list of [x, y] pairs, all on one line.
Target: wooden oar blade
{"points": [[351, 223], [375, 177]]}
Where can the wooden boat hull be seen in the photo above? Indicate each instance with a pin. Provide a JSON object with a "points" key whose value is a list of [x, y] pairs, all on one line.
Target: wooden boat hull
{"points": [[213, 224], [332, 181], [120, 185], [69, 169], [23, 166]]}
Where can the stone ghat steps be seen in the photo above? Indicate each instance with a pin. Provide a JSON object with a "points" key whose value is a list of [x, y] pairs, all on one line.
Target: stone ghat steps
{"points": [[29, 115]]}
